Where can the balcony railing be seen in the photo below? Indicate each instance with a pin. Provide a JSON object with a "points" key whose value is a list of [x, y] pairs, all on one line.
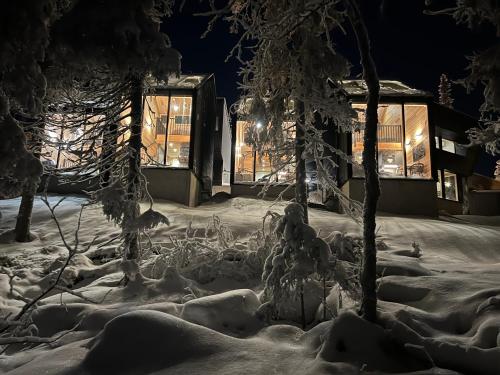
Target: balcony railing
{"points": [[385, 133]]}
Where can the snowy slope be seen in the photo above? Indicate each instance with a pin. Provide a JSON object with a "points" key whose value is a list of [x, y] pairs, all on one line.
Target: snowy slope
{"points": [[444, 301]]}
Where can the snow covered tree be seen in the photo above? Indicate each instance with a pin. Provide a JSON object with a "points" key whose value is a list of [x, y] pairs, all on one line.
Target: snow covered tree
{"points": [[294, 61], [484, 68], [110, 46], [291, 83], [445, 97], [25, 29], [298, 255]]}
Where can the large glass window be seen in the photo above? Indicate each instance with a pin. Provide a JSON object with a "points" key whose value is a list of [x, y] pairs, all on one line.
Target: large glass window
{"points": [[69, 141], [390, 141], [244, 154], [418, 153], [252, 166], [179, 132], [166, 131], [154, 129], [403, 148]]}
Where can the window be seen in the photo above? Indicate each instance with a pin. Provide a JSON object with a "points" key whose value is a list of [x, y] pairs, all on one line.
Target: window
{"points": [[417, 145], [448, 145], [252, 166], [447, 183], [244, 154], [69, 146], [153, 129], [166, 131], [390, 155], [395, 160], [179, 132], [453, 147], [450, 186]]}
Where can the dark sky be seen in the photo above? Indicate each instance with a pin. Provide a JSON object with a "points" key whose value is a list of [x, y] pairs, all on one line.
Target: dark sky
{"points": [[408, 46]]}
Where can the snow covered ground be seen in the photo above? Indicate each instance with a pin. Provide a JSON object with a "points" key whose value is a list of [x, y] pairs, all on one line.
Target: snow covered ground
{"points": [[444, 305]]}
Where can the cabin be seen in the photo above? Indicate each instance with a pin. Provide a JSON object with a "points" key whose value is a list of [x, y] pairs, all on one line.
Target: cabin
{"points": [[423, 165], [185, 136]]}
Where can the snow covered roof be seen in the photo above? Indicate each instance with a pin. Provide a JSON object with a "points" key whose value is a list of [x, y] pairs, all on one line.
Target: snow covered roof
{"points": [[183, 81], [356, 87]]}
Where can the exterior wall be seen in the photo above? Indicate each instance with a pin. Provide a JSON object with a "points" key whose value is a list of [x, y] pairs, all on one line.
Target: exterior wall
{"points": [[251, 190], [222, 145], [204, 125], [449, 207], [484, 202], [177, 185], [399, 196]]}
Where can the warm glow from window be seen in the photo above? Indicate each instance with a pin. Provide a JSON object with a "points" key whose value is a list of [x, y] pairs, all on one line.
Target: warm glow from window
{"points": [[166, 131], [393, 140]]}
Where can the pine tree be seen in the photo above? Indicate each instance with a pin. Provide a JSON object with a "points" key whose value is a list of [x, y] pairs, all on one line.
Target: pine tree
{"points": [[445, 97]]}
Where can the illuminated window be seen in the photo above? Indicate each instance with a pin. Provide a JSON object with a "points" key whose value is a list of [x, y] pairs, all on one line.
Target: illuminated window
{"points": [[417, 145], [179, 132], [166, 126], [450, 186], [153, 130], [447, 183], [390, 141], [67, 147], [244, 155], [393, 139], [251, 166]]}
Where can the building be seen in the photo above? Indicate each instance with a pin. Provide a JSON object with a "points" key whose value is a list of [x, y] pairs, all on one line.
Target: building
{"points": [[423, 166], [185, 138]]}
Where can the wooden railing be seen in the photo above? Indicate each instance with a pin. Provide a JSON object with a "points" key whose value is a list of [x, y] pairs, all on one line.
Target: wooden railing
{"points": [[385, 133]]}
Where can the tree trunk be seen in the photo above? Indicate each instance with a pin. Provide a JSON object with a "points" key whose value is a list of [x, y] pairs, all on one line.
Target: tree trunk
{"points": [[132, 211], [300, 164], [372, 188], [23, 221]]}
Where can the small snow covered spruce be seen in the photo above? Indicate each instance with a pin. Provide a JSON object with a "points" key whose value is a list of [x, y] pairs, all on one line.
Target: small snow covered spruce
{"points": [[294, 259]]}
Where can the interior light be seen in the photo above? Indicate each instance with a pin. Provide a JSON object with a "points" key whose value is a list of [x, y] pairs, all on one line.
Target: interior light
{"points": [[175, 150], [308, 180], [176, 163], [171, 144], [447, 184], [176, 107], [259, 125]]}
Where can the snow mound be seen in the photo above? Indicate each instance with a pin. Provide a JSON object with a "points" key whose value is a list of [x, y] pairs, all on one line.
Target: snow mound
{"points": [[148, 341], [231, 312], [354, 340]]}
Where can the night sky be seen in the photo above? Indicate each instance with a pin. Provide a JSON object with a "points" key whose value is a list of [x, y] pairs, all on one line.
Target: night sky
{"points": [[408, 46]]}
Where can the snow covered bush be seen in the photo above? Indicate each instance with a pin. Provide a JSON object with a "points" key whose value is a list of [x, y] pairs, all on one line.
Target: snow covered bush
{"points": [[206, 254]]}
